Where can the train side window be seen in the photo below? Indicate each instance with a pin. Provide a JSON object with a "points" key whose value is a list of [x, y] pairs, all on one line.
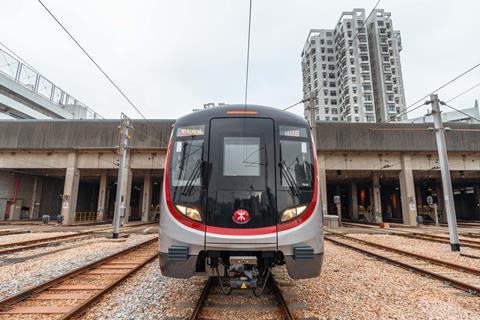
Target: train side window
{"points": [[187, 158]]}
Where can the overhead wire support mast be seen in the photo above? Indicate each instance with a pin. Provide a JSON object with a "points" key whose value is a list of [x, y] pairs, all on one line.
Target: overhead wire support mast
{"points": [[445, 172], [120, 202]]}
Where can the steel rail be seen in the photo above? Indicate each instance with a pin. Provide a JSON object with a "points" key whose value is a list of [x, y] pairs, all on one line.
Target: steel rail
{"points": [[434, 238], [43, 242], [435, 261], [203, 298], [422, 236], [80, 309], [12, 232], [196, 314], [447, 280], [5, 261], [281, 299], [8, 302]]}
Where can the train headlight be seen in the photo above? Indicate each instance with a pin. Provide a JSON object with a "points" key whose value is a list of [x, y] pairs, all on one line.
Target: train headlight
{"points": [[191, 213], [292, 213]]}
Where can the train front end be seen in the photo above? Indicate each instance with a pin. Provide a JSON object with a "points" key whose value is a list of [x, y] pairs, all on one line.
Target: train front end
{"points": [[240, 196]]}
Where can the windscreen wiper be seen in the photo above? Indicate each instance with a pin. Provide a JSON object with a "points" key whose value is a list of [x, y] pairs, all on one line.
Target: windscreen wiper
{"points": [[187, 189], [289, 179]]}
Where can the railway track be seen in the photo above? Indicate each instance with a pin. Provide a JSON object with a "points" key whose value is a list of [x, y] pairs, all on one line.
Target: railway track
{"points": [[70, 294], [271, 302], [458, 276], [10, 232], [435, 238], [423, 236], [13, 247]]}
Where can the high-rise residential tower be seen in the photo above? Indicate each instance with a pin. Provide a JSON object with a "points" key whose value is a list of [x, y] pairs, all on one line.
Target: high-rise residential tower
{"points": [[353, 71]]}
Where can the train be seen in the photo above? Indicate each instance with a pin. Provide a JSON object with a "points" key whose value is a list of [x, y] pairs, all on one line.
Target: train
{"points": [[240, 196]]}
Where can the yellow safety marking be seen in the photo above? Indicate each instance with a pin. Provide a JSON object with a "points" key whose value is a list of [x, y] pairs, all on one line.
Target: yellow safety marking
{"points": [[244, 286]]}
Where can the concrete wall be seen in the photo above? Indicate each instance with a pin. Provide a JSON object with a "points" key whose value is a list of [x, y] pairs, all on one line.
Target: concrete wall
{"points": [[332, 136], [86, 159], [51, 201], [24, 193], [394, 137], [80, 134]]}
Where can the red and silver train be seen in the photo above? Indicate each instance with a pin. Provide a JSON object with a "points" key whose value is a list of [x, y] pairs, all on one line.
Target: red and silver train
{"points": [[240, 196]]}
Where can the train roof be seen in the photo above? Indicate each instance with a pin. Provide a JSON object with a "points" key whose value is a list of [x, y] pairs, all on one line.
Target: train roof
{"points": [[236, 110]]}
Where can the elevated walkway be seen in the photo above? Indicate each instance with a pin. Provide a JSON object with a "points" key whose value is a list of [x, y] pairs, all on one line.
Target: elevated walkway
{"points": [[26, 94]]}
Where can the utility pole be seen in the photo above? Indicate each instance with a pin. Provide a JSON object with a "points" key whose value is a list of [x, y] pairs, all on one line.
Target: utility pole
{"points": [[120, 205], [311, 116], [446, 181]]}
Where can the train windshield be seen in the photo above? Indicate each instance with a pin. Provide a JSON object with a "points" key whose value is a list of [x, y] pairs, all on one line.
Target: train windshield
{"points": [[241, 156], [296, 168], [295, 158], [187, 160]]}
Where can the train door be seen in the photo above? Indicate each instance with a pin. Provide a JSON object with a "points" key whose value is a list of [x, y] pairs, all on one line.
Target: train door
{"points": [[241, 189]]}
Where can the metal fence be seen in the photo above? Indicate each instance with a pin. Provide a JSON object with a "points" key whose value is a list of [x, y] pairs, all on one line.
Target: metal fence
{"points": [[86, 216], [35, 82]]}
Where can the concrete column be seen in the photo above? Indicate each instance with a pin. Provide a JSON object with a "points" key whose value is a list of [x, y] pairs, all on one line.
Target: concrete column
{"points": [[147, 196], [407, 191], [354, 202], [322, 177], [102, 190], [70, 189], [36, 196], [377, 198]]}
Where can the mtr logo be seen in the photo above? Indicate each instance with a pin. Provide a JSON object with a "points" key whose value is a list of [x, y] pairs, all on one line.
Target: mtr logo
{"points": [[241, 216]]}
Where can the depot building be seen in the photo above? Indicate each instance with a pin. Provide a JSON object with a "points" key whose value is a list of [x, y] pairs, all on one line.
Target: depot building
{"points": [[367, 172]]}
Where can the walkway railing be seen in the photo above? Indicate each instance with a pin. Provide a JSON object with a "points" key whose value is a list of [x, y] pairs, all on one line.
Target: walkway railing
{"points": [[35, 82], [85, 216]]}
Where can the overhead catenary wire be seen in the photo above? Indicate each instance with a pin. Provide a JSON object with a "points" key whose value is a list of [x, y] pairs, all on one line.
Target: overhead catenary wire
{"points": [[407, 109], [415, 106], [92, 59], [446, 84], [459, 111], [248, 52], [113, 83], [295, 104], [349, 46], [464, 92]]}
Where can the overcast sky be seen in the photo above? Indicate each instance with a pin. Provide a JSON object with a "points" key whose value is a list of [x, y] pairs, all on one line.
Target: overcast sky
{"points": [[172, 56]]}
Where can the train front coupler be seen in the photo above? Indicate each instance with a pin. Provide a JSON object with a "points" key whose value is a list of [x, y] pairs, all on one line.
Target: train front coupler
{"points": [[243, 272]]}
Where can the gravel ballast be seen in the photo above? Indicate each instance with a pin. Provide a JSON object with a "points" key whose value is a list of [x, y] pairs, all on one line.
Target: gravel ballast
{"points": [[355, 286], [351, 286], [35, 271], [18, 238], [430, 249]]}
